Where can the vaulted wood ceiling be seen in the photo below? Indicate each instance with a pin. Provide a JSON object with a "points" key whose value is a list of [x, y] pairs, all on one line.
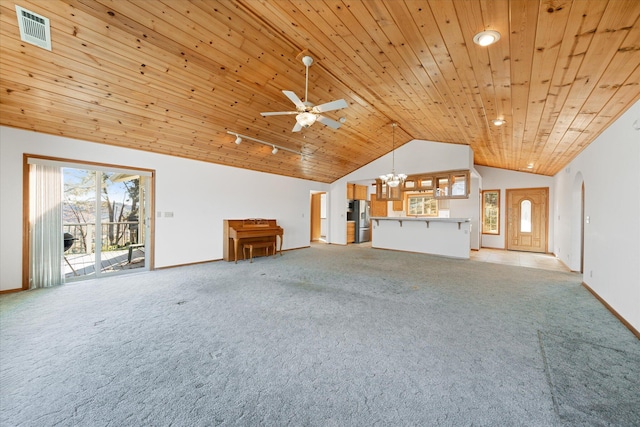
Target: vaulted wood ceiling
{"points": [[174, 76]]}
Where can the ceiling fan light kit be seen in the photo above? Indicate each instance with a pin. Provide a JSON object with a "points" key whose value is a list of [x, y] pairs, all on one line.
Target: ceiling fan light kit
{"points": [[486, 38], [306, 119]]}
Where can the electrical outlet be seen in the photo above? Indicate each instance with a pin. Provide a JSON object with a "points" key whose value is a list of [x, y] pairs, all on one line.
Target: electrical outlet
{"points": [[168, 214]]}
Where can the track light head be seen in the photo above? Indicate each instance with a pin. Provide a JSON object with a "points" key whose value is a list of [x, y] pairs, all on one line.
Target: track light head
{"points": [[238, 139], [275, 150]]}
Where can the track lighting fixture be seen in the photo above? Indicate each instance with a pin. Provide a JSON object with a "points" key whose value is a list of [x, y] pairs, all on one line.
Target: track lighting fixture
{"points": [[274, 148]]}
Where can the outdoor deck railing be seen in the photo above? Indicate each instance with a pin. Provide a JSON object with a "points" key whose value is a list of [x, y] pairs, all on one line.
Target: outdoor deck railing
{"points": [[115, 236]]}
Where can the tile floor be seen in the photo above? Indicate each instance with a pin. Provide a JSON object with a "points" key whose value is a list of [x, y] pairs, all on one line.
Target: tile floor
{"points": [[501, 256], [523, 259]]}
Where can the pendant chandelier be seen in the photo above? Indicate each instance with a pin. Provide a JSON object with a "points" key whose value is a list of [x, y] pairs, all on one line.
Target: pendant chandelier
{"points": [[391, 179]]}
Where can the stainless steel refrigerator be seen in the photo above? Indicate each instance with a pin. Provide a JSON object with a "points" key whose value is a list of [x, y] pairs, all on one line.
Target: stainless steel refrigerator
{"points": [[362, 221]]}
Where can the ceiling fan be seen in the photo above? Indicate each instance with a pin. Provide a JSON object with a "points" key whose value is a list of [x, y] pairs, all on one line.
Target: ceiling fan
{"points": [[306, 113]]}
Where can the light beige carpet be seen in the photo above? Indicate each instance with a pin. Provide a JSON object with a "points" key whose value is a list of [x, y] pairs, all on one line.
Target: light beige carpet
{"points": [[325, 336]]}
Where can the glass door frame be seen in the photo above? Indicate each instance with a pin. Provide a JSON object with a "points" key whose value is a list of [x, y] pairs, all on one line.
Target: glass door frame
{"points": [[102, 237], [148, 222]]}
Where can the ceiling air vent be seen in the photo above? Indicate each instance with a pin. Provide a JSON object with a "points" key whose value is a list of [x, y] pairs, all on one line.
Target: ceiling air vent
{"points": [[34, 28]]}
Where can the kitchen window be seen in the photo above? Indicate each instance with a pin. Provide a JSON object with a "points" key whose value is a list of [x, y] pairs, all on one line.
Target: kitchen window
{"points": [[422, 204]]}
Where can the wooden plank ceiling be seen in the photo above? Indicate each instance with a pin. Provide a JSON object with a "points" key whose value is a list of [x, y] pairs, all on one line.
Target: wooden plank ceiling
{"points": [[174, 76]]}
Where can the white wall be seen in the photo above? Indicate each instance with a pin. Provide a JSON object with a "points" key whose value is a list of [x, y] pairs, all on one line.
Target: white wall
{"points": [[610, 169], [470, 208], [199, 194], [414, 157], [501, 179]]}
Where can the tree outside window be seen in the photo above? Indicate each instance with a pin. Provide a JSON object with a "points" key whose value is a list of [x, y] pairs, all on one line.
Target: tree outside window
{"points": [[491, 212]]}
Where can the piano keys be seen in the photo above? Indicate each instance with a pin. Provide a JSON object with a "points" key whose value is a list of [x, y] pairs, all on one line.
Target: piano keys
{"points": [[243, 231]]}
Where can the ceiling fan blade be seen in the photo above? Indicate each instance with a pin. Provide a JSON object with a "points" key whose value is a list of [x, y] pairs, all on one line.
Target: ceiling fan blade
{"points": [[330, 106], [297, 128], [278, 113], [294, 98], [329, 122]]}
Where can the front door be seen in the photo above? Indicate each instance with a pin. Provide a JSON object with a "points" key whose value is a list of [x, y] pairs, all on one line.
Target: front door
{"points": [[527, 210]]}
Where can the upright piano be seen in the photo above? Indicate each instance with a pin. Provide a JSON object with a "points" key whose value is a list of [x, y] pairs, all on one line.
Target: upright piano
{"points": [[244, 231]]}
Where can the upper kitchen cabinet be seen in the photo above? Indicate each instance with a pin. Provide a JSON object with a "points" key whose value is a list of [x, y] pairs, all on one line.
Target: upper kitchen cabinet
{"points": [[444, 185], [360, 192], [356, 192], [350, 191]]}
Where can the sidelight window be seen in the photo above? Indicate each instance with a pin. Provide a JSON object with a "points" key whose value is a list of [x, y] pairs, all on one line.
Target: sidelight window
{"points": [[491, 212]]}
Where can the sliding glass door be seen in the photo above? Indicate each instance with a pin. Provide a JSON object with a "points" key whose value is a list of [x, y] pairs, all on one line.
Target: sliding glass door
{"points": [[85, 221], [105, 222]]}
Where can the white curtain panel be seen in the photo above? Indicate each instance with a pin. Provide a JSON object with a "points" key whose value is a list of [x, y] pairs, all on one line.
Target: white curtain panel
{"points": [[47, 242]]}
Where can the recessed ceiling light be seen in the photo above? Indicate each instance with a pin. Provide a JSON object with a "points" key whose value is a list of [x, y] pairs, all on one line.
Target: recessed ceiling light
{"points": [[486, 38], [530, 166], [498, 122]]}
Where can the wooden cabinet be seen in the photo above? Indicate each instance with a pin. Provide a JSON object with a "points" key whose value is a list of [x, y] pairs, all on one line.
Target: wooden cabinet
{"points": [[351, 231], [356, 192], [398, 205], [377, 207], [384, 192], [452, 185], [360, 192], [445, 185], [351, 191], [418, 183]]}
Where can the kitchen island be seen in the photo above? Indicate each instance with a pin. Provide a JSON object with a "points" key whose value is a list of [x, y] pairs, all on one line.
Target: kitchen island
{"points": [[429, 235]]}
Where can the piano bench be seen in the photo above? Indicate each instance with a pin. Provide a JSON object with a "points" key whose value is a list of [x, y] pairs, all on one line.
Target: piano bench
{"points": [[256, 245]]}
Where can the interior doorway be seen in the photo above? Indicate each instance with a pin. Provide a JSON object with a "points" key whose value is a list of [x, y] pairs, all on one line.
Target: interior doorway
{"points": [[527, 219], [318, 217]]}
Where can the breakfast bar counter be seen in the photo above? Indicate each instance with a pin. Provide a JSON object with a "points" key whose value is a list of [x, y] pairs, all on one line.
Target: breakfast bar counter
{"points": [[430, 235]]}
